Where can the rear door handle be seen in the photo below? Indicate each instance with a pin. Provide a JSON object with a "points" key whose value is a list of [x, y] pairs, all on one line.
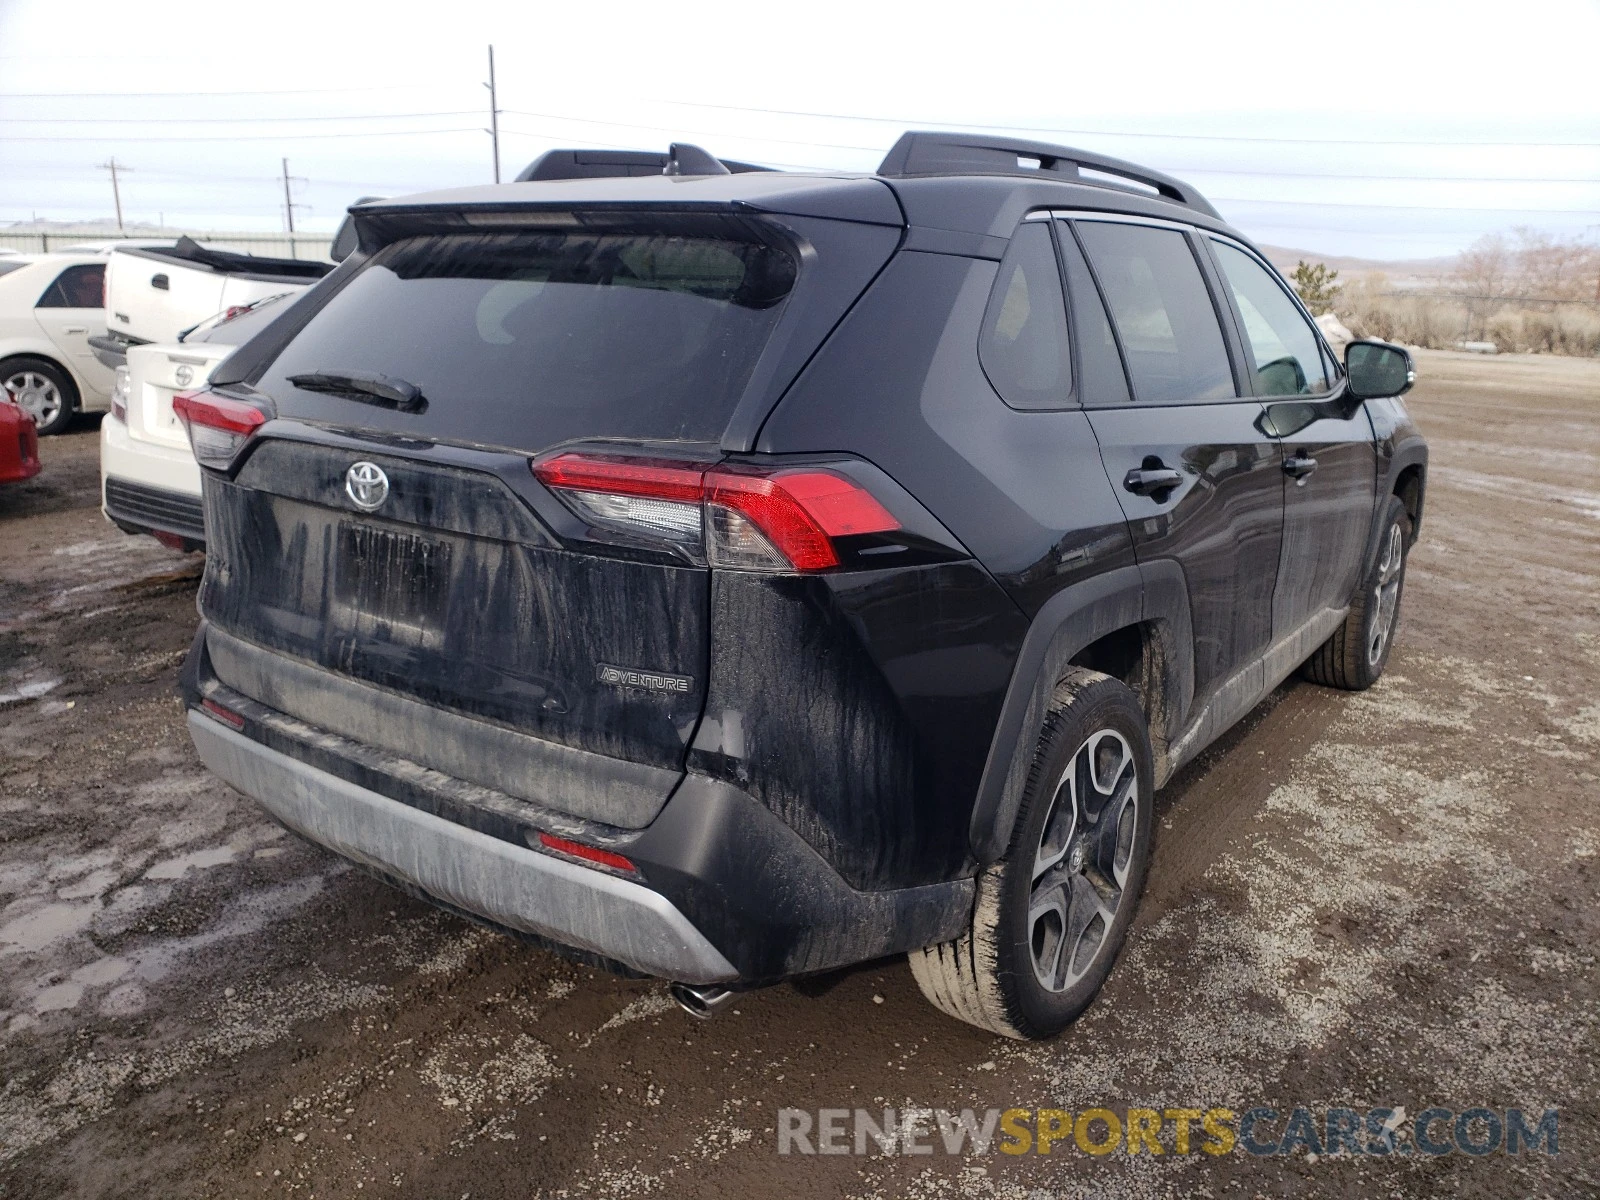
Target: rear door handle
{"points": [[76, 329], [1298, 466], [1147, 481]]}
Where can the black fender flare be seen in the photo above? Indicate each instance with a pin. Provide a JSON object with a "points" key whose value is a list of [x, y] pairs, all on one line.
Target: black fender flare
{"points": [[1408, 451], [1154, 594]]}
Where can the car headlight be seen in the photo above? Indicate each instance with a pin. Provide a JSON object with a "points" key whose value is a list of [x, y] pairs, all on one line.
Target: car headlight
{"points": [[119, 395]]}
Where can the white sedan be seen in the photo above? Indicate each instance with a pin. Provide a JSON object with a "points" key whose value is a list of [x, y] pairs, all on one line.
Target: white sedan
{"points": [[49, 306]]}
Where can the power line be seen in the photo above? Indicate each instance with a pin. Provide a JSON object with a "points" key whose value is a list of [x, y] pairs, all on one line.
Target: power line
{"points": [[559, 138], [707, 133], [385, 87], [1198, 137], [227, 120], [1389, 178], [747, 137], [1572, 212], [248, 137], [1217, 199]]}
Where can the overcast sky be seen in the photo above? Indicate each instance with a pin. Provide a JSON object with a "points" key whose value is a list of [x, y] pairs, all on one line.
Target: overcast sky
{"points": [[1393, 131]]}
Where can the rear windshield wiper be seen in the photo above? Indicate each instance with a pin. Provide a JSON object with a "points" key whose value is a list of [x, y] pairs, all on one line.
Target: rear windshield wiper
{"points": [[366, 386]]}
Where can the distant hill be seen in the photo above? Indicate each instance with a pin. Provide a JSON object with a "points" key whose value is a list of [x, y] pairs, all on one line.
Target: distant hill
{"points": [[1285, 259]]}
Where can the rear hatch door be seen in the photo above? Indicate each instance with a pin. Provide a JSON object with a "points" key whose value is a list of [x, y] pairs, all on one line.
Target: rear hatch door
{"points": [[434, 599]]}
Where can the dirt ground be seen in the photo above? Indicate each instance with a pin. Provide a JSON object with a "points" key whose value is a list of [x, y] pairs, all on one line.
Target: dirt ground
{"points": [[1385, 899]]}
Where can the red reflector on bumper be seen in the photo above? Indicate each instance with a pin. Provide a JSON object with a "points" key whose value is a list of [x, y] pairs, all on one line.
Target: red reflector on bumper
{"points": [[604, 858], [226, 715]]}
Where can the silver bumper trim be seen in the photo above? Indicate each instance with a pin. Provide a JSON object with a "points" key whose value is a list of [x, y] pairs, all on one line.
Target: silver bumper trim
{"points": [[510, 885]]}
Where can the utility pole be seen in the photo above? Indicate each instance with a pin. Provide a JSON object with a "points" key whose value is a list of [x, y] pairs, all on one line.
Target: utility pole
{"points": [[289, 206], [288, 202], [116, 192], [494, 116]]}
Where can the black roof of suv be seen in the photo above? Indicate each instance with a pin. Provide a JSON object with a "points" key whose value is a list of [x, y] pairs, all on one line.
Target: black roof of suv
{"points": [[736, 574], [940, 181]]}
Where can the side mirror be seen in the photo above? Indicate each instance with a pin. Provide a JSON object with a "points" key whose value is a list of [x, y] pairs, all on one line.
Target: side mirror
{"points": [[1378, 369], [346, 239]]}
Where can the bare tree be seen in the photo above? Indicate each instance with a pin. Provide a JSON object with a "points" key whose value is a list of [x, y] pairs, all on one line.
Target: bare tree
{"points": [[1483, 269], [1483, 272], [1549, 267]]}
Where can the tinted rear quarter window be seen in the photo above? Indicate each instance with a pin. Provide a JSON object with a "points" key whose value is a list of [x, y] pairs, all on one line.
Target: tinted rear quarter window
{"points": [[531, 339], [1101, 381], [1023, 346], [1163, 311]]}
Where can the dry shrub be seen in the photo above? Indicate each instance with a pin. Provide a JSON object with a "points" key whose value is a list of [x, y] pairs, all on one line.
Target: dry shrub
{"points": [[1427, 321], [1443, 323], [1565, 329]]}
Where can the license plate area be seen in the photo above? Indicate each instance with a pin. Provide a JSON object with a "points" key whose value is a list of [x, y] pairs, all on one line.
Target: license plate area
{"points": [[392, 586]]}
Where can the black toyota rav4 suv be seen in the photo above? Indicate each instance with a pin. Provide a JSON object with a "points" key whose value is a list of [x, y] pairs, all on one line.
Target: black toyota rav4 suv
{"points": [[732, 575]]}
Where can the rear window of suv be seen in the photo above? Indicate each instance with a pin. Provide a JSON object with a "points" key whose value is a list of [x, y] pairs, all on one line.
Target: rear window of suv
{"points": [[531, 339]]}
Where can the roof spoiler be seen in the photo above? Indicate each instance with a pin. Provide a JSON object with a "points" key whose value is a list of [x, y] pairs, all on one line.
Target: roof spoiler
{"points": [[346, 238], [681, 159], [921, 153]]}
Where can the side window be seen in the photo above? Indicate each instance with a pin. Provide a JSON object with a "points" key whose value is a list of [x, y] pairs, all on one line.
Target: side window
{"points": [[1023, 344], [1284, 351], [82, 286], [1164, 315], [1101, 381]]}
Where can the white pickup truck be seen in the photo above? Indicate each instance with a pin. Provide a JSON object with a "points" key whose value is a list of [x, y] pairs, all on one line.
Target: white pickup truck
{"points": [[155, 294]]}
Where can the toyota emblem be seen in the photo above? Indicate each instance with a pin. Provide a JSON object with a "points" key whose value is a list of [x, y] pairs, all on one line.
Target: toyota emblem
{"points": [[184, 375], [366, 485]]}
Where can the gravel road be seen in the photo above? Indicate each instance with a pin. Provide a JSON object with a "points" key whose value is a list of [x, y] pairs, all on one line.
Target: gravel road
{"points": [[1376, 900]]}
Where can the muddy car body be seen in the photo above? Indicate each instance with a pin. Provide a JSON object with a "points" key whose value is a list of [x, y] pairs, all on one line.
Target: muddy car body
{"points": [[707, 571]]}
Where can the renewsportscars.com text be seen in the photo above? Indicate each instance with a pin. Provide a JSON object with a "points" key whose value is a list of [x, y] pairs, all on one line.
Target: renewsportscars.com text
{"points": [[1259, 1131]]}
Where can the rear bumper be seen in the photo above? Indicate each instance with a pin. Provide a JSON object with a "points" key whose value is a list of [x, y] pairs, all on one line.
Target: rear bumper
{"points": [[508, 884], [112, 349], [726, 890], [149, 488]]}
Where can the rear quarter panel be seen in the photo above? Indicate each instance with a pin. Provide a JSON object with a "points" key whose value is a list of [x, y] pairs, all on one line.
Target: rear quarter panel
{"points": [[900, 385]]}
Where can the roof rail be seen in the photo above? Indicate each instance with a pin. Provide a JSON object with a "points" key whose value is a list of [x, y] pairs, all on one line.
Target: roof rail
{"points": [[599, 164], [922, 153]]}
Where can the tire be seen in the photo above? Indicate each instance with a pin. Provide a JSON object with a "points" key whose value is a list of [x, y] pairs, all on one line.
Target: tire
{"points": [[1354, 657], [43, 389], [1043, 940]]}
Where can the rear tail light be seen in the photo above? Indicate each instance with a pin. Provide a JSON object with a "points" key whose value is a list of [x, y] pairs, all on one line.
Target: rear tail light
{"points": [[218, 427], [119, 395], [643, 496], [739, 517]]}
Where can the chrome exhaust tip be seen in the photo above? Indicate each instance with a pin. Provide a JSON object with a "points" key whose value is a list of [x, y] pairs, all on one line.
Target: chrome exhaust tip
{"points": [[701, 1001]]}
